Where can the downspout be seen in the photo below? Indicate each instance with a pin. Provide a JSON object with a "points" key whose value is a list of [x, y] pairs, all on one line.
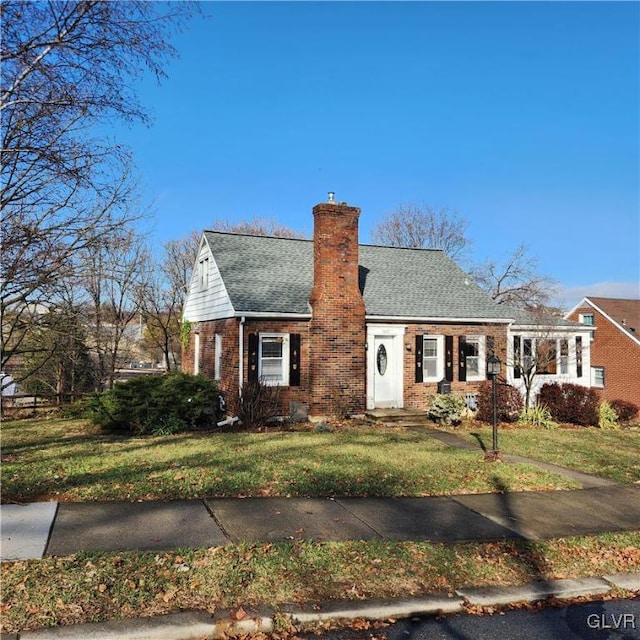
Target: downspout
{"points": [[240, 355]]}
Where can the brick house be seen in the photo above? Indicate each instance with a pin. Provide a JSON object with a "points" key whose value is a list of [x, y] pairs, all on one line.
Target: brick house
{"points": [[339, 324], [615, 345]]}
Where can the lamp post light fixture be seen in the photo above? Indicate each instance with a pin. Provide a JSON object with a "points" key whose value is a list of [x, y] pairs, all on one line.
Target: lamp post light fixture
{"points": [[493, 370]]}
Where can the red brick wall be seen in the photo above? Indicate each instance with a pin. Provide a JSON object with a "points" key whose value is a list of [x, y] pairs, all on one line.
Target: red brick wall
{"points": [[228, 329], [337, 331], [618, 354], [416, 394], [288, 394]]}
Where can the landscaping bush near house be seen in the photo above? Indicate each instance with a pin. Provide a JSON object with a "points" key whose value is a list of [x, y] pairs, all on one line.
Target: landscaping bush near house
{"points": [[508, 399], [625, 410], [156, 404], [258, 403], [446, 409], [607, 417], [570, 403]]}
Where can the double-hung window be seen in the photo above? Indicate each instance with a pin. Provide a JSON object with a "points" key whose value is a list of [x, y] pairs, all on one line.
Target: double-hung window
{"points": [[564, 356], [475, 357], [597, 379], [273, 359], [433, 358]]}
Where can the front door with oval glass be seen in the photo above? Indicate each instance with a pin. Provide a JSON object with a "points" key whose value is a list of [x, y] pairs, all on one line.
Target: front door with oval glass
{"points": [[387, 374]]}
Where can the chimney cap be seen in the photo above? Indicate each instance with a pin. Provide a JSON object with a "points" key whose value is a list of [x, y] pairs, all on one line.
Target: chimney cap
{"points": [[332, 197]]}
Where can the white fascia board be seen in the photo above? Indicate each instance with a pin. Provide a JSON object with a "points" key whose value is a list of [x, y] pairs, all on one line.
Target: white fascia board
{"points": [[452, 320], [551, 328], [273, 314]]}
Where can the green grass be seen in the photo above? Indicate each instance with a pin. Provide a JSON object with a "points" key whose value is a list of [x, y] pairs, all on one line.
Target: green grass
{"points": [[613, 454], [101, 586], [69, 460]]}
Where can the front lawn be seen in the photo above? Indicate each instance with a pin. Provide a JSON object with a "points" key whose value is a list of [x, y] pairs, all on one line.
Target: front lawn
{"points": [[70, 460], [613, 454], [102, 586]]}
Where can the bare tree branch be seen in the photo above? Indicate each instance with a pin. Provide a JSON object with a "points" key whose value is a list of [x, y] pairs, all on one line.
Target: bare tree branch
{"points": [[516, 281], [423, 227]]}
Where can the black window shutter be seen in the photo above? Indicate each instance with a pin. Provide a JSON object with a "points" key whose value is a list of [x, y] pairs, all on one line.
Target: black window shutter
{"points": [[579, 356], [517, 357], [294, 360], [419, 349], [448, 355], [462, 358], [252, 375]]}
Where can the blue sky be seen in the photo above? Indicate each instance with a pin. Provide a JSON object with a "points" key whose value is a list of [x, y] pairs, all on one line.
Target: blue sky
{"points": [[522, 117]]}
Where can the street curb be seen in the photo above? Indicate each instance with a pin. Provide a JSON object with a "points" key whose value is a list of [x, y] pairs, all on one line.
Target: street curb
{"points": [[196, 625], [534, 591], [379, 609]]}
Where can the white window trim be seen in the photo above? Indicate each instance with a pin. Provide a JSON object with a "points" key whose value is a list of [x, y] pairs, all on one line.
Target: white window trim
{"points": [[285, 359], [196, 354], [439, 359], [582, 316], [482, 358], [218, 357], [594, 382]]}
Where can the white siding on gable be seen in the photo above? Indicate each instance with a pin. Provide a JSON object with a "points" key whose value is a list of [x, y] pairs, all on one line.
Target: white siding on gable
{"points": [[207, 298]]}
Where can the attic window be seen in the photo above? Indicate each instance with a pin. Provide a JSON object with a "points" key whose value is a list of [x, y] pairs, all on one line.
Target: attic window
{"points": [[203, 270]]}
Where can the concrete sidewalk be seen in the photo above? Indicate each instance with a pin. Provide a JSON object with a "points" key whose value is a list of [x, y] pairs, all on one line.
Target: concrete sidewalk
{"points": [[39, 529]]}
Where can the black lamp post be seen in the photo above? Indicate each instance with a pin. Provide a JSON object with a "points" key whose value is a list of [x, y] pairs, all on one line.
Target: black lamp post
{"points": [[493, 370]]}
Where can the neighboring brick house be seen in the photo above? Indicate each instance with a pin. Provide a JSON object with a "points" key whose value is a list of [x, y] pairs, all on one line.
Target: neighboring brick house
{"points": [[615, 345], [336, 323]]}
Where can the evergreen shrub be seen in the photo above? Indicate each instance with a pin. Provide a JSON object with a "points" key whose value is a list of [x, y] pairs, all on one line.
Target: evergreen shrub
{"points": [[156, 404]]}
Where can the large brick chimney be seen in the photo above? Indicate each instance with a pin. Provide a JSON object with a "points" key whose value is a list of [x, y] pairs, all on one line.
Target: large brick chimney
{"points": [[337, 330]]}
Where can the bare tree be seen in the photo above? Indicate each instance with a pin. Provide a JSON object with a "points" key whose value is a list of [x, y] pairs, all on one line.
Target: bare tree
{"points": [[257, 227], [66, 67], [516, 281], [164, 293], [423, 227], [113, 276]]}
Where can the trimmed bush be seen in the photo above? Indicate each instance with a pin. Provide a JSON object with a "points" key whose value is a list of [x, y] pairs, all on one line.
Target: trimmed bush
{"points": [[159, 404], [625, 410], [508, 400], [570, 403], [446, 409]]}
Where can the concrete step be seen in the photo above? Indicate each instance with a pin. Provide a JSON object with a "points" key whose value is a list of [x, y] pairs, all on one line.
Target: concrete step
{"points": [[404, 416]]}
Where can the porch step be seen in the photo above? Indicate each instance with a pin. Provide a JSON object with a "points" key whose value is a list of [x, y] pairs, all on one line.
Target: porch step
{"points": [[413, 416]]}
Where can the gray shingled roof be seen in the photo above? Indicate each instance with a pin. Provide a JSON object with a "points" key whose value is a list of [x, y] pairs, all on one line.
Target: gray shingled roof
{"points": [[275, 275]]}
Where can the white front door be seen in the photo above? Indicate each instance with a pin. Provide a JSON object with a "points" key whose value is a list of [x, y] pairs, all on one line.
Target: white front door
{"points": [[385, 369]]}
